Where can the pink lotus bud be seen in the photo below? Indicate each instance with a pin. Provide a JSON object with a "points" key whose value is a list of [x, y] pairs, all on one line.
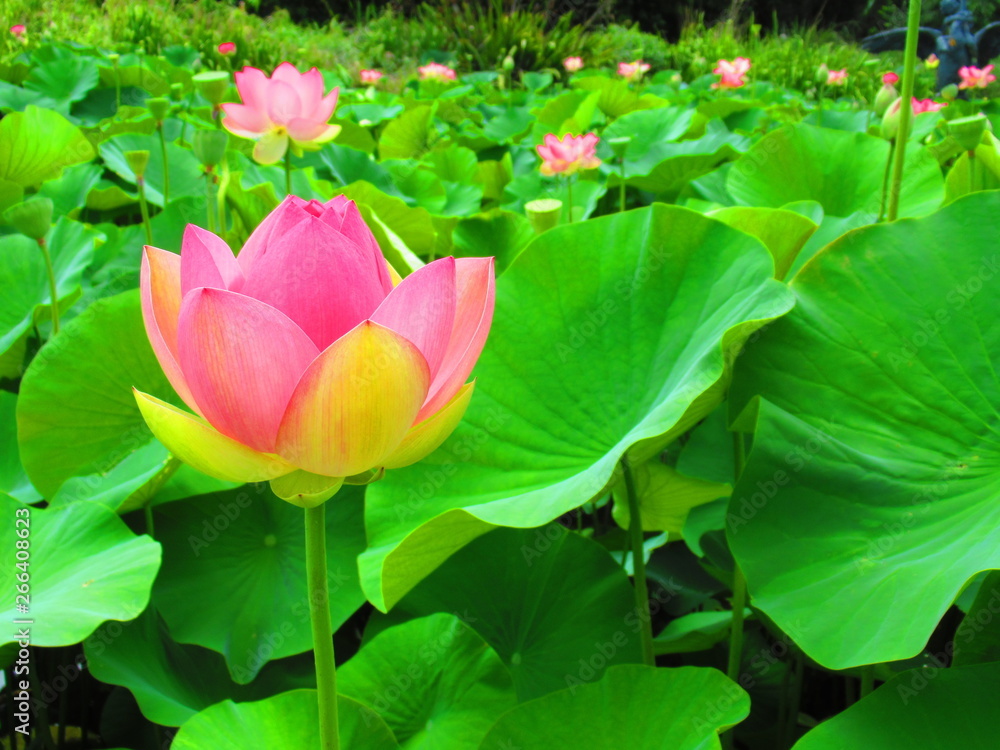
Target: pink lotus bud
{"points": [[890, 78], [227, 48], [573, 64], [306, 359], [18, 29], [288, 108], [568, 154], [837, 77]]}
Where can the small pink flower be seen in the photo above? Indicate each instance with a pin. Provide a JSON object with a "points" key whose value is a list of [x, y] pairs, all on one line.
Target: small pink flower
{"points": [[573, 64], [287, 108], [976, 78], [371, 76], [632, 71], [731, 73], [568, 154], [227, 48], [18, 29], [436, 72], [836, 77], [926, 105], [890, 78]]}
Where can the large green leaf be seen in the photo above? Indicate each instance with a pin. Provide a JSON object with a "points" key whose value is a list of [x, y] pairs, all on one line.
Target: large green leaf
{"points": [[434, 681], [234, 578], [288, 720], [578, 368], [13, 480], [870, 497], [172, 682], [977, 638], [25, 295], [36, 144], [631, 707], [929, 708], [500, 234], [186, 174], [84, 567], [64, 81], [407, 136], [76, 414], [843, 171], [564, 611]]}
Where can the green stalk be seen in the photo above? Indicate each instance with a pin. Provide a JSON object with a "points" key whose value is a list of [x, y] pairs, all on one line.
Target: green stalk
{"points": [[210, 199], [885, 180], [322, 628], [118, 90], [639, 565], [819, 106], [288, 170], [144, 208], [867, 679], [166, 168], [906, 110], [53, 290], [569, 198], [621, 189]]}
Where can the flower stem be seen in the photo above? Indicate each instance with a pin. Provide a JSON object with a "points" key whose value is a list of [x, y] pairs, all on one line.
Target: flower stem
{"points": [[867, 679], [53, 289], [210, 198], [322, 629], [166, 168], [885, 180], [906, 110], [569, 198], [639, 565], [288, 171], [621, 188], [140, 182]]}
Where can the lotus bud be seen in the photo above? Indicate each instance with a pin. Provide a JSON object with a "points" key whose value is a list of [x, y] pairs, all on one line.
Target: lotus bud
{"points": [[137, 161], [884, 98], [543, 213], [890, 121], [968, 131], [159, 107], [212, 85], [33, 218], [210, 146], [822, 74], [508, 63]]}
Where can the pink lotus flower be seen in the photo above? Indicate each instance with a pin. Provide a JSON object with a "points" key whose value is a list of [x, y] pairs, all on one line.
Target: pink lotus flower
{"points": [[573, 64], [436, 72], [18, 29], [975, 78], [890, 78], [288, 108], [371, 76], [731, 73], [632, 71], [926, 105], [568, 154], [227, 48], [836, 77], [305, 358]]}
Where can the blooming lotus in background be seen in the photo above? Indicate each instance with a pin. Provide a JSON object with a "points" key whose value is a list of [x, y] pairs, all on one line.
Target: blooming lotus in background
{"points": [[731, 73], [568, 154], [573, 64], [975, 78], [227, 48], [305, 359], [371, 77], [287, 109], [436, 72], [890, 78], [632, 71], [18, 29], [836, 77]]}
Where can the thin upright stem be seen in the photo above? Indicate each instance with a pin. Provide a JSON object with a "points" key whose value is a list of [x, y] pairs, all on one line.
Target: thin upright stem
{"points": [[621, 188], [166, 166], [885, 180], [639, 565], [288, 171], [569, 198], [144, 208], [906, 109], [210, 198], [322, 628], [53, 289]]}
